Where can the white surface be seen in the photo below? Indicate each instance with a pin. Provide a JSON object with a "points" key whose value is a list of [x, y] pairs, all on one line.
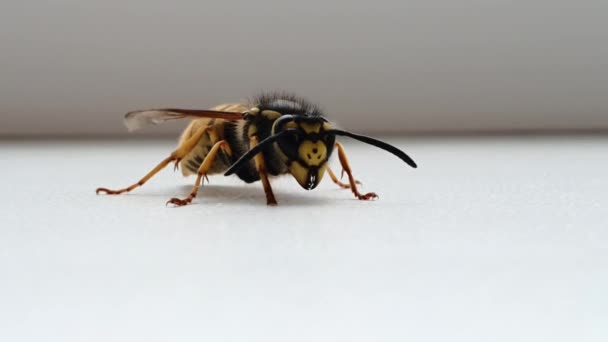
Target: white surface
{"points": [[489, 240], [67, 66]]}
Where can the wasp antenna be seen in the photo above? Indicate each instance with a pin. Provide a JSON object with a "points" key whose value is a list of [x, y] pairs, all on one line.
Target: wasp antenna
{"points": [[255, 150], [375, 142]]}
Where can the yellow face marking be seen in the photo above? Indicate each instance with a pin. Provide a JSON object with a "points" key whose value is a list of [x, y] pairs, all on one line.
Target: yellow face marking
{"points": [[326, 126], [313, 153], [300, 173], [271, 114], [310, 128], [254, 110], [291, 124]]}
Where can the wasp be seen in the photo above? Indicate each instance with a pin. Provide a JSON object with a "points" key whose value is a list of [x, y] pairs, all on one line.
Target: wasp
{"points": [[275, 134]]}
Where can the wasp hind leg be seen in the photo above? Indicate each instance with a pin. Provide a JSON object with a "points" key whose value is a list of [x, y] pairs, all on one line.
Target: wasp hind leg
{"points": [[182, 150], [351, 179], [201, 173]]}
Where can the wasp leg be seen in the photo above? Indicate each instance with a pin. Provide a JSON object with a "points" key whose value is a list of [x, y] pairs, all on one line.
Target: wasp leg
{"points": [[201, 174], [181, 151], [335, 179], [351, 179], [260, 165]]}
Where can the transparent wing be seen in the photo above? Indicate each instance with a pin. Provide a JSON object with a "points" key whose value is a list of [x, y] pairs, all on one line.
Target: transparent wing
{"points": [[140, 118]]}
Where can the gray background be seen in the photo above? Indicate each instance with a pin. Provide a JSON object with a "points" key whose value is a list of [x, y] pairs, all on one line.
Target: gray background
{"points": [[73, 68]]}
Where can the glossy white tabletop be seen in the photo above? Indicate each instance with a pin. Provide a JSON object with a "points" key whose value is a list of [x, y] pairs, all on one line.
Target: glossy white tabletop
{"points": [[491, 239]]}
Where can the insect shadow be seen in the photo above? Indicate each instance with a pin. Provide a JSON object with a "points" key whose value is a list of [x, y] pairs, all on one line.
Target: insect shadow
{"points": [[212, 194]]}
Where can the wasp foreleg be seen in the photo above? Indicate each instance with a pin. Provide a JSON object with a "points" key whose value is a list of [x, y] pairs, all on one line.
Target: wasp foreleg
{"points": [[260, 165], [335, 179], [351, 179]]}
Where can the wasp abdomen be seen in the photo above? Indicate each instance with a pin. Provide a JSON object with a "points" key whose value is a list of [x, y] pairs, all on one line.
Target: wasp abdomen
{"points": [[213, 132]]}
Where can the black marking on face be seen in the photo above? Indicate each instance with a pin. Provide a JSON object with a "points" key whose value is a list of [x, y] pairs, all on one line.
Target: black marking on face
{"points": [[311, 181]]}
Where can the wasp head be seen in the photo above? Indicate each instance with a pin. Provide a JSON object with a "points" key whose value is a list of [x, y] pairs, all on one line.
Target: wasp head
{"points": [[306, 143], [306, 147]]}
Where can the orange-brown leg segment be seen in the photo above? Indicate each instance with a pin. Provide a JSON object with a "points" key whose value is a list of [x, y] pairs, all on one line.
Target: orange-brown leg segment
{"points": [[176, 156], [335, 179], [261, 167], [351, 179], [201, 174]]}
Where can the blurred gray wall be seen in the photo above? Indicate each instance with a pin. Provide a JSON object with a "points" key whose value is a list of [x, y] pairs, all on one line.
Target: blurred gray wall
{"points": [[74, 67]]}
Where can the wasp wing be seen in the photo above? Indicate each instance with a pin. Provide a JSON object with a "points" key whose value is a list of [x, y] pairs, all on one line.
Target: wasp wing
{"points": [[140, 118]]}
